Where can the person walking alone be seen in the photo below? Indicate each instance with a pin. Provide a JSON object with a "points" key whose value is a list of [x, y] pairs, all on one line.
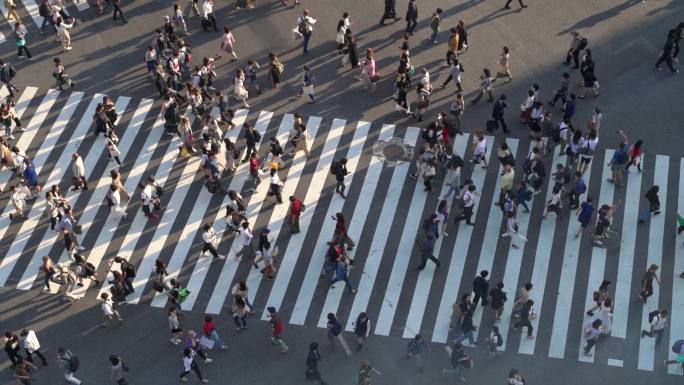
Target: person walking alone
{"points": [[658, 321], [390, 12], [190, 364], [20, 39], [278, 327], [647, 283], [411, 17], [118, 369], [312, 359], [362, 328], [335, 333], [305, 28], [653, 204], [117, 9], [414, 348], [69, 364]]}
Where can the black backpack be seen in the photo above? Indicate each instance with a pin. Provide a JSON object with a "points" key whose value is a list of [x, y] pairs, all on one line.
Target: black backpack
{"points": [[73, 362], [677, 346], [499, 340], [257, 136], [583, 43], [652, 315], [129, 269], [333, 167]]}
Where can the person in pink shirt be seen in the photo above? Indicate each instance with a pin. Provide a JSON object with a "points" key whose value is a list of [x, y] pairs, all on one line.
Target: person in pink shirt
{"points": [[368, 75]]}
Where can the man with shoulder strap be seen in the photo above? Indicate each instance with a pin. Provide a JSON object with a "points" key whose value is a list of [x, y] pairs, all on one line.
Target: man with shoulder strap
{"points": [[658, 323], [67, 362], [7, 73], [305, 27]]}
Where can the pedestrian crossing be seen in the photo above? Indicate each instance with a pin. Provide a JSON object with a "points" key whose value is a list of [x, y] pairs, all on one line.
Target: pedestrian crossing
{"points": [[384, 209], [31, 7]]}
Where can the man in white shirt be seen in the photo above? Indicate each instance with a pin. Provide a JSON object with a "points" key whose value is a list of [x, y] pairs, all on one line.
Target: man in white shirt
{"points": [[305, 27], [209, 239], [146, 200], [208, 15], [245, 240], [276, 186], [469, 201], [17, 197], [658, 323], [110, 313]]}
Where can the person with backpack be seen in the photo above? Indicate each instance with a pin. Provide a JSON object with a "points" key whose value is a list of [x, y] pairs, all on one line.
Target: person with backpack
{"points": [[657, 319], [128, 271], [434, 25], [498, 299], [339, 169], [653, 204], [494, 341], [69, 364], [7, 73], [678, 349], [118, 369], [305, 27], [647, 283], [312, 359], [335, 333], [576, 46], [481, 288], [459, 361]]}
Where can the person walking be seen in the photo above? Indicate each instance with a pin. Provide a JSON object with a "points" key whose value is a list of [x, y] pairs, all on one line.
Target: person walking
{"points": [[512, 228], [469, 200], [507, 6], [653, 204], [647, 283], [459, 361], [296, 209], [7, 73], [175, 326], [493, 342], [110, 313], [514, 378], [78, 172], [342, 274], [240, 313], [524, 320], [576, 46], [228, 46], [21, 371], [498, 299], [668, 55], [335, 333], [63, 33], [208, 18], [411, 17], [210, 240], [503, 61], [340, 235], [498, 112], [209, 329], [12, 347], [20, 39], [426, 250], [481, 288], [189, 364], [246, 240], [434, 25], [486, 87], [31, 345], [117, 9], [69, 364], [414, 348], [312, 359], [467, 328], [275, 187], [658, 321], [278, 327], [390, 12], [362, 328], [305, 27], [592, 332], [307, 84], [118, 369]]}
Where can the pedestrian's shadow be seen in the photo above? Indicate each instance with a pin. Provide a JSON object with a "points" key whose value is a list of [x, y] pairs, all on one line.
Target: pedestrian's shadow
{"points": [[601, 16], [501, 12]]}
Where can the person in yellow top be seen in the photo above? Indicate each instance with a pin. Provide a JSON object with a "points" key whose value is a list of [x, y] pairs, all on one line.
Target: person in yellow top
{"points": [[12, 11], [453, 46]]}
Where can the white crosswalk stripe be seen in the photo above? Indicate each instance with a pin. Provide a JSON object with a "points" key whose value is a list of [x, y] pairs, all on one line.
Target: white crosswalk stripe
{"points": [[383, 219]]}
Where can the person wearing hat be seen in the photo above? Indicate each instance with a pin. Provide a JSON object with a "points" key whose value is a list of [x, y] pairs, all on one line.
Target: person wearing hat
{"points": [[277, 327]]}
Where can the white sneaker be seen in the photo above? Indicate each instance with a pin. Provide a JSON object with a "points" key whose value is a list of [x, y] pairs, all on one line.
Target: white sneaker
{"points": [[22, 129], [208, 361], [221, 257], [68, 48], [81, 248]]}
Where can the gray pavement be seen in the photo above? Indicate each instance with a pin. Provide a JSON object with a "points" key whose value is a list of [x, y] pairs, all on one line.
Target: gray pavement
{"points": [[626, 38]]}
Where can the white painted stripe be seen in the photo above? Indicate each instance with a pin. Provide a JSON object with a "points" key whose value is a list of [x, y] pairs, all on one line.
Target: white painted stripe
{"points": [[424, 282], [677, 310], [87, 216], [50, 237], [135, 175], [32, 9], [5, 12], [20, 108], [229, 268], [163, 229], [561, 319], [196, 218], [541, 262], [310, 199], [13, 253], [492, 233], [597, 266], [655, 255], [403, 255], [389, 208], [623, 283], [614, 362], [514, 262], [455, 273], [311, 278], [55, 177], [139, 220]]}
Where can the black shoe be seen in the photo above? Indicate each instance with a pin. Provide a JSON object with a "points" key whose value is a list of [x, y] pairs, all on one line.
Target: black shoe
{"points": [[590, 313]]}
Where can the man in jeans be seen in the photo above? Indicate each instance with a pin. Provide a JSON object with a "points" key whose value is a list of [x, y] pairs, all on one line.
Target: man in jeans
{"points": [[525, 319], [305, 27], [66, 361], [658, 323]]}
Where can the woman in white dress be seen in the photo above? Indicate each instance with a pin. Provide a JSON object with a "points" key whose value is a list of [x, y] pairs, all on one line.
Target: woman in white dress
{"points": [[239, 90], [605, 314], [63, 33], [480, 148]]}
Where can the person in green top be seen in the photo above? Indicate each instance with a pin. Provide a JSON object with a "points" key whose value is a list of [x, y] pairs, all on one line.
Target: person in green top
{"points": [[20, 36], [434, 25], [364, 373]]}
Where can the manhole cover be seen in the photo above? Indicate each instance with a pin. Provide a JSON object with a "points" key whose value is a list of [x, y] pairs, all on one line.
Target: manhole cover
{"points": [[393, 151]]}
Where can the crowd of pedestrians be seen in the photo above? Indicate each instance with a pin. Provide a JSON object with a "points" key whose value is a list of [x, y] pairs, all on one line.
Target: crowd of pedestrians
{"points": [[183, 86]]}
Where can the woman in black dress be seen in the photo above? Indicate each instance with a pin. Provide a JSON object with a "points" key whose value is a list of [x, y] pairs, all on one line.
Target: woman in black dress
{"points": [[350, 42]]}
